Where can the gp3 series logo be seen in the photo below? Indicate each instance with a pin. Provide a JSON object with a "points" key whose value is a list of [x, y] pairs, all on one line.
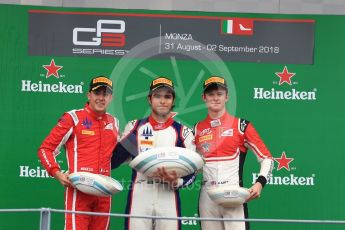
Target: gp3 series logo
{"points": [[105, 35]]}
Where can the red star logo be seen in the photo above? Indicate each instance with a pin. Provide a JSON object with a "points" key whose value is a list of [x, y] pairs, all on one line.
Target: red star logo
{"points": [[52, 69], [283, 162], [285, 76]]}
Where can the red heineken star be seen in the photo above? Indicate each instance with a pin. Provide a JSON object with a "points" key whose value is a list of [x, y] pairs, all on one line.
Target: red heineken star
{"points": [[52, 69], [285, 76], [283, 162]]}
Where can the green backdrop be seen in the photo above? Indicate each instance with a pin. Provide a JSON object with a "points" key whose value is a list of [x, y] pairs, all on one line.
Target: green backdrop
{"points": [[309, 132]]}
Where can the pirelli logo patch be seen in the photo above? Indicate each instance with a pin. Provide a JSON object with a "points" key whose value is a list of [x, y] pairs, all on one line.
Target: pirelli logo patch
{"points": [[88, 132], [146, 142], [162, 81], [206, 138], [102, 80], [215, 80]]}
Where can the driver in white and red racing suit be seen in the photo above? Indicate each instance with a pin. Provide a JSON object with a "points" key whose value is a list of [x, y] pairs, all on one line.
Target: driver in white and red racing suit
{"points": [[223, 140]]}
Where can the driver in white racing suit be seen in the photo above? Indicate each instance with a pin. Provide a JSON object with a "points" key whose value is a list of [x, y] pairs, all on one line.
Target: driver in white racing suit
{"points": [[146, 196]]}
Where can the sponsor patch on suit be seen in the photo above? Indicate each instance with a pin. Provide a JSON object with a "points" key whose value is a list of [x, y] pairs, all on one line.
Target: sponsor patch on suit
{"points": [[88, 132], [226, 132]]}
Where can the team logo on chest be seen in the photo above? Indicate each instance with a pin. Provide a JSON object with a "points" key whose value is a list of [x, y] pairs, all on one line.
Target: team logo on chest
{"points": [[146, 139], [87, 123], [147, 133]]}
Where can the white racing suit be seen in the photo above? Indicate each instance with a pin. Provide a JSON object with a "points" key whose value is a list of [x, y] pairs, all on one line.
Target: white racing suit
{"points": [[147, 197]]}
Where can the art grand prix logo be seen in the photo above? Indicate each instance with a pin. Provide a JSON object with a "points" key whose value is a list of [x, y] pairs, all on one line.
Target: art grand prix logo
{"points": [[284, 92], [48, 85], [285, 173]]}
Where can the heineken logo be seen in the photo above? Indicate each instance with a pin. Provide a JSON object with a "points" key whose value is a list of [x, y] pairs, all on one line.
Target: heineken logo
{"points": [[286, 174], [293, 94], [286, 77], [60, 87], [291, 180], [45, 85], [34, 172]]}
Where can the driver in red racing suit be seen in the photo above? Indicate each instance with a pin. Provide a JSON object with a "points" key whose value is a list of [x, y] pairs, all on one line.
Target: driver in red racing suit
{"points": [[223, 140], [89, 136]]}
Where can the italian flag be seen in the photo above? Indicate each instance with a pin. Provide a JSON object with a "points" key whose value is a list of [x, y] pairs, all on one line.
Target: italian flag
{"points": [[227, 26], [238, 26]]}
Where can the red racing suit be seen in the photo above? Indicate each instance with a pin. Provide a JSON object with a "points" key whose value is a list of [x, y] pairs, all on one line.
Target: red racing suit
{"points": [[224, 143], [89, 140]]}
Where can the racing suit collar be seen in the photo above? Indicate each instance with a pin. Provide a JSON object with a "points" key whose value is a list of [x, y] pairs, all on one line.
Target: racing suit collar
{"points": [[159, 126], [219, 121], [93, 114]]}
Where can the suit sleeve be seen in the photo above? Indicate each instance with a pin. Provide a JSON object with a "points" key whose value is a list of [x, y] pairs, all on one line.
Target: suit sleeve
{"points": [[117, 127], [186, 180], [188, 136], [52, 144], [126, 148], [263, 155]]}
